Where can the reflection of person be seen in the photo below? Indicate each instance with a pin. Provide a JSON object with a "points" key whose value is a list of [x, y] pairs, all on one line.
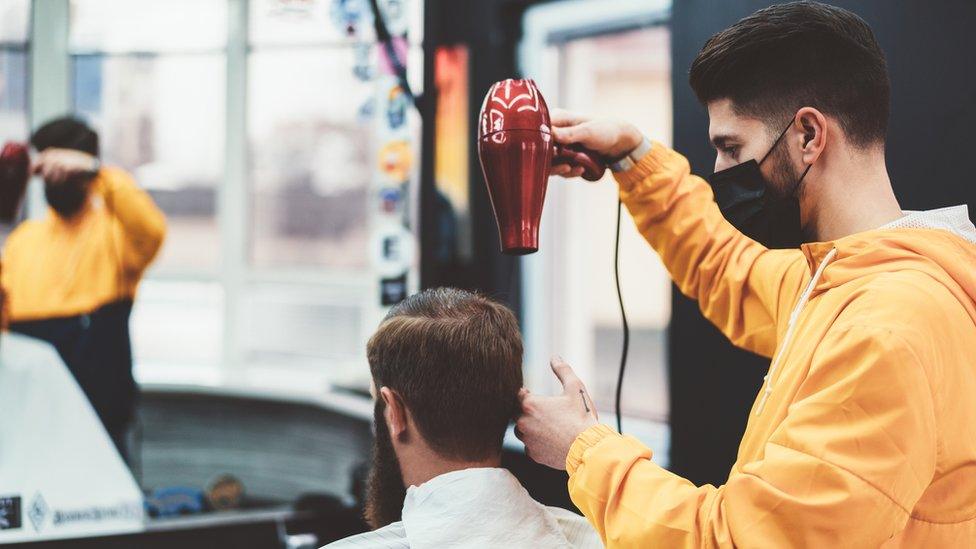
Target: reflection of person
{"points": [[447, 367], [864, 432], [71, 276]]}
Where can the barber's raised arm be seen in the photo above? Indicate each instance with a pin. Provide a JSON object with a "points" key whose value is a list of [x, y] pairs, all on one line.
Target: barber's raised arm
{"points": [[741, 286], [141, 224]]}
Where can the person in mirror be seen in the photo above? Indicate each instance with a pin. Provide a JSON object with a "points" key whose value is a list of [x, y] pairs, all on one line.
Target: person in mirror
{"points": [[71, 276], [446, 366], [863, 433]]}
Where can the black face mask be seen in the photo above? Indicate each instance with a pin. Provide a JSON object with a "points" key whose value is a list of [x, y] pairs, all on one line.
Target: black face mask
{"points": [[746, 200], [66, 198]]}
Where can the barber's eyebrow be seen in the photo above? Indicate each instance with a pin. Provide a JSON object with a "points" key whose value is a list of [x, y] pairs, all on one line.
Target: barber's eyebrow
{"points": [[722, 140]]}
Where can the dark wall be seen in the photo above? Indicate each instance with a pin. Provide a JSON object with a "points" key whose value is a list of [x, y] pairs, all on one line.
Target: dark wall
{"points": [[491, 30], [929, 47]]}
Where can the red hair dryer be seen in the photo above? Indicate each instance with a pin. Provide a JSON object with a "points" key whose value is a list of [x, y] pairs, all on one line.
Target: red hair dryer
{"points": [[516, 149], [14, 174]]}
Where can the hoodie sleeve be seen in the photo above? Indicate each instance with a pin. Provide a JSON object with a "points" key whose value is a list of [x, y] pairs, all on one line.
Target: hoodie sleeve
{"points": [[141, 224], [741, 286], [843, 469]]}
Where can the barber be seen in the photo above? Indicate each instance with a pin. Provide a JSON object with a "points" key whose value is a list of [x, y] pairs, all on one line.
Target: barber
{"points": [[71, 276], [863, 433]]}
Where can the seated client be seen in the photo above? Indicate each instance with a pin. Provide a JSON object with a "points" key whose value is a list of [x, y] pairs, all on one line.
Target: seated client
{"points": [[447, 368]]}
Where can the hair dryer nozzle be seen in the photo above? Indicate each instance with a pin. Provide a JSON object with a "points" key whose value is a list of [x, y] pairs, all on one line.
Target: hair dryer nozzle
{"points": [[516, 149]]}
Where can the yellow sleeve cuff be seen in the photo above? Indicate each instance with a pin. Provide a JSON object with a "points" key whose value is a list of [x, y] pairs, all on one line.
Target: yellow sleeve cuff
{"points": [[658, 159], [584, 441]]}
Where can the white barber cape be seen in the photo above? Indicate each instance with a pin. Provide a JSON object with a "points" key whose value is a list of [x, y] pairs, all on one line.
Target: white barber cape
{"points": [[482, 507]]}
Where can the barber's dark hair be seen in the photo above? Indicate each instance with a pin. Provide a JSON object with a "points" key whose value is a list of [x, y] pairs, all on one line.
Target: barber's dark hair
{"points": [[66, 133], [800, 54], [455, 358]]}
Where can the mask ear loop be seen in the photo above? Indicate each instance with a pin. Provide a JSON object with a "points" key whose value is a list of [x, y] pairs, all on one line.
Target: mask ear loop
{"points": [[798, 181], [773, 146]]}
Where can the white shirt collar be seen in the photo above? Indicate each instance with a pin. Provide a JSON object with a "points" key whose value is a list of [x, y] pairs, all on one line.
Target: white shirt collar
{"points": [[479, 507]]}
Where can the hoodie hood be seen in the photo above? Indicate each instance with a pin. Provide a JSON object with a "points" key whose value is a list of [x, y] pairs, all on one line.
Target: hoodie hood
{"points": [[941, 243], [480, 507], [954, 219]]}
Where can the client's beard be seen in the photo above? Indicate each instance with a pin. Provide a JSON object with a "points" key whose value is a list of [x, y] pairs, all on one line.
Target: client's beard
{"points": [[384, 486]]}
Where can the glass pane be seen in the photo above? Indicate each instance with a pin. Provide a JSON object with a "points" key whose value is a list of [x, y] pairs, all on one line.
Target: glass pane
{"points": [[608, 75], [302, 327], [14, 20], [415, 21], [169, 134], [177, 325], [284, 22], [415, 69], [13, 95], [147, 25], [310, 159]]}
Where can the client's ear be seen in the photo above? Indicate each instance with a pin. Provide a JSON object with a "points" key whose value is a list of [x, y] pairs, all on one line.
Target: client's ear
{"points": [[395, 412]]}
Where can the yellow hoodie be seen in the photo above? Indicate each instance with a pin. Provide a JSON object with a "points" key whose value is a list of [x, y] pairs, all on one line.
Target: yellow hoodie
{"points": [[55, 268], [864, 433]]}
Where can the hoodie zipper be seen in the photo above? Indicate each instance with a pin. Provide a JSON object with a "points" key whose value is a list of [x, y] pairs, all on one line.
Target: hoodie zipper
{"points": [[800, 304]]}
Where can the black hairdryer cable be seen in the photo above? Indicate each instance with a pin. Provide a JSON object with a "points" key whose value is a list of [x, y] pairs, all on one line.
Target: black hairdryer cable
{"points": [[385, 38], [623, 316]]}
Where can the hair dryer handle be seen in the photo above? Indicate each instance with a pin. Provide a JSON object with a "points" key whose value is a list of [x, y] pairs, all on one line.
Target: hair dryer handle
{"points": [[593, 164]]}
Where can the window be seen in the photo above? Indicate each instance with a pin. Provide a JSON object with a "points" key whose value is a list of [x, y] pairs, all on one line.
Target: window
{"points": [[310, 165], [314, 131], [311, 94], [14, 19], [270, 262], [149, 76], [607, 74], [126, 26]]}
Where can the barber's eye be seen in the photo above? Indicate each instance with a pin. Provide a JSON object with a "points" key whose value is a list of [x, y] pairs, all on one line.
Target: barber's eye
{"points": [[731, 151]]}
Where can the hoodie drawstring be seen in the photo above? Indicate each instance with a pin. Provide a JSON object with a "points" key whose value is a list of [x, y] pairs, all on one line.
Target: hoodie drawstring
{"points": [[804, 297]]}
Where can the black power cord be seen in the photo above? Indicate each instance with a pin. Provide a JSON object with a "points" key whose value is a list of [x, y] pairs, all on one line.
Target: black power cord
{"points": [[385, 38], [623, 317]]}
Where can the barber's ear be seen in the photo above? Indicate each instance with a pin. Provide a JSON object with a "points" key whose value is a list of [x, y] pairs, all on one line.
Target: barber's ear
{"points": [[395, 412], [813, 137]]}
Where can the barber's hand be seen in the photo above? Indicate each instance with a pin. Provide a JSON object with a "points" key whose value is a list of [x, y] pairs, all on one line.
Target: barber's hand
{"points": [[59, 165], [549, 425], [613, 139]]}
